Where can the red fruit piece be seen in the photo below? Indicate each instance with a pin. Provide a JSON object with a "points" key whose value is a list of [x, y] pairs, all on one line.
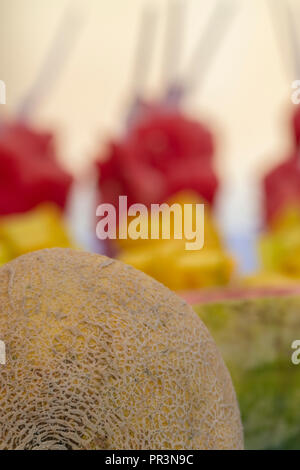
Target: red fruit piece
{"points": [[161, 155], [29, 170], [296, 126], [282, 187]]}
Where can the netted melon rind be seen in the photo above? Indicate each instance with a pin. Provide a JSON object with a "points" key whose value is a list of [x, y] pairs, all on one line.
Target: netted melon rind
{"points": [[101, 356]]}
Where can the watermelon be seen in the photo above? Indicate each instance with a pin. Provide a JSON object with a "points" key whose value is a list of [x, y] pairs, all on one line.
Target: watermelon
{"points": [[30, 172], [161, 155], [282, 184]]}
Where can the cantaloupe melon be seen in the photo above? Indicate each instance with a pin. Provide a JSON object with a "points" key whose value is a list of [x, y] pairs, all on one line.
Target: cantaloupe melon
{"points": [[101, 356]]}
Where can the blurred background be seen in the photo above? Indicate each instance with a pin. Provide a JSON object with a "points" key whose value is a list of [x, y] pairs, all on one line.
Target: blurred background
{"points": [[78, 68], [245, 91]]}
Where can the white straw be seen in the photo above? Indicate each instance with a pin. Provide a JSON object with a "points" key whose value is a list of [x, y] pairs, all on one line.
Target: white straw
{"points": [[285, 33], [144, 52], [294, 39], [209, 43], [279, 22], [60, 49], [174, 42]]}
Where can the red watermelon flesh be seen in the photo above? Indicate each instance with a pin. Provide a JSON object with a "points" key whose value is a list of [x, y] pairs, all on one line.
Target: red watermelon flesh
{"points": [[205, 296], [161, 155], [282, 187], [296, 126], [29, 170]]}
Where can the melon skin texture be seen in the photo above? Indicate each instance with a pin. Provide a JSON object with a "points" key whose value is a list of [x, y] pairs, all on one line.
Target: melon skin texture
{"points": [[255, 337], [101, 356]]}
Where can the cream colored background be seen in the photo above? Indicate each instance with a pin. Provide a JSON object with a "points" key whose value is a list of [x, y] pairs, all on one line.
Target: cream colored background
{"points": [[246, 94]]}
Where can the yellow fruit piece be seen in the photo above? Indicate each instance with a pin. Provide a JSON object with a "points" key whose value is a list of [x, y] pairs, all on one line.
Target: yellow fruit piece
{"points": [[4, 253], [287, 218], [211, 236], [279, 247], [280, 251], [43, 227], [169, 262], [204, 268], [179, 269], [265, 278], [101, 356]]}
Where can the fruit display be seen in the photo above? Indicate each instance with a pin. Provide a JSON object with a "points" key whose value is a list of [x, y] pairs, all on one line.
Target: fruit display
{"points": [[165, 155], [279, 244], [281, 184], [101, 356], [254, 329], [34, 190]]}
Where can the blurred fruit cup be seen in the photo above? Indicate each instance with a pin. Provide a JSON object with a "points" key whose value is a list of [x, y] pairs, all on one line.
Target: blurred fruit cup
{"points": [[42, 227], [279, 246], [168, 260]]}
